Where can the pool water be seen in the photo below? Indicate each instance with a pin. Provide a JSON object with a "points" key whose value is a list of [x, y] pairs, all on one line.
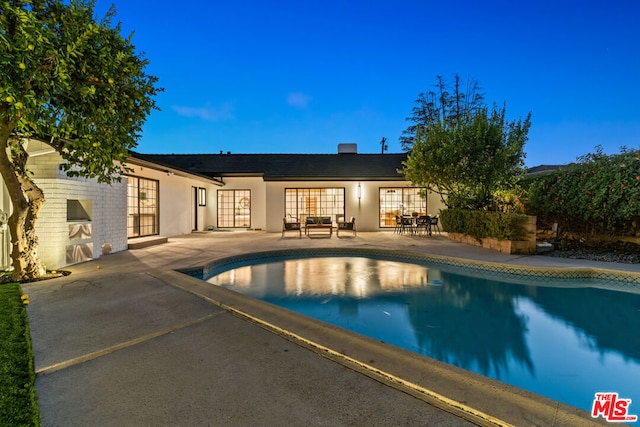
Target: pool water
{"points": [[563, 339]]}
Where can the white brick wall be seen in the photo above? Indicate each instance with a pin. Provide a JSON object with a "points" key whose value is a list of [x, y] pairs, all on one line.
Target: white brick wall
{"points": [[108, 223], [108, 219], [108, 214]]}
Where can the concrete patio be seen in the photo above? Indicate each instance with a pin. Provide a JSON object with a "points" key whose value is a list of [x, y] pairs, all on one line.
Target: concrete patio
{"points": [[125, 340]]}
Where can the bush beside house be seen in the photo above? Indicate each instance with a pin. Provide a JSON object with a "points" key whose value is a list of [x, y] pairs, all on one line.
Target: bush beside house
{"points": [[503, 232], [598, 195]]}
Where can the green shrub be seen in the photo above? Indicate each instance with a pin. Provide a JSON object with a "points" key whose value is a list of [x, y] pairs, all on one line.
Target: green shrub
{"points": [[600, 193], [481, 224]]}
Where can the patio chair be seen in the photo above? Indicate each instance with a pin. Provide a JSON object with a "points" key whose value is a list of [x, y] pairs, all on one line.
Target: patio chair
{"points": [[346, 226], [434, 224], [398, 227], [423, 224], [407, 224], [291, 225]]}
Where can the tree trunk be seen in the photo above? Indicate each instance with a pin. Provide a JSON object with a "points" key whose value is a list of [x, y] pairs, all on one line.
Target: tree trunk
{"points": [[22, 226], [27, 199]]}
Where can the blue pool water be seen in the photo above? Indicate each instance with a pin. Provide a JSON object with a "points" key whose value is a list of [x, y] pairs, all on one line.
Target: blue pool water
{"points": [[562, 339]]}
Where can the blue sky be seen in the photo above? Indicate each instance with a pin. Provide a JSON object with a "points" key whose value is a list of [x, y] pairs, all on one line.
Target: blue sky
{"points": [[252, 76]]}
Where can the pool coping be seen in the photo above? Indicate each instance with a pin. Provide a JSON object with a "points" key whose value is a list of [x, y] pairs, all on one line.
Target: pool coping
{"points": [[627, 281], [471, 396]]}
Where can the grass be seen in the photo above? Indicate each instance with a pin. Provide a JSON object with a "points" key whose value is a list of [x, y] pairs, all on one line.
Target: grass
{"points": [[18, 402]]}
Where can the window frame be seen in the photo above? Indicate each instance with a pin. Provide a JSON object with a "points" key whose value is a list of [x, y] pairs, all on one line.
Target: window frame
{"points": [[303, 202], [238, 196], [386, 217], [202, 196], [141, 195]]}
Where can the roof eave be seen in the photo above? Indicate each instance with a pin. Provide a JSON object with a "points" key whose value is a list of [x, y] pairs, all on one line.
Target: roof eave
{"points": [[173, 170], [333, 178]]}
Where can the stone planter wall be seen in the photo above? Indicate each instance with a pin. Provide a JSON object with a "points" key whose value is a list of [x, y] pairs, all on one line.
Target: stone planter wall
{"points": [[521, 247]]}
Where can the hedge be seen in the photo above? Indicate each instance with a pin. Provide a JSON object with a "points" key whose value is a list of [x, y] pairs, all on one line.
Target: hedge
{"points": [[481, 224], [601, 193]]}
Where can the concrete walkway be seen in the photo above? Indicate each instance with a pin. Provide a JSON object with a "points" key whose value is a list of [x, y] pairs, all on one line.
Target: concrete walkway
{"points": [[126, 341]]}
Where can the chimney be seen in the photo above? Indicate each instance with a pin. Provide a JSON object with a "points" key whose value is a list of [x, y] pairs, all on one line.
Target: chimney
{"points": [[348, 148]]}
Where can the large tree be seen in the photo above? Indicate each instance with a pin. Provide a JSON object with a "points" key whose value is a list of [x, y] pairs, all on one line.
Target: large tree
{"points": [[468, 158], [448, 102], [75, 83]]}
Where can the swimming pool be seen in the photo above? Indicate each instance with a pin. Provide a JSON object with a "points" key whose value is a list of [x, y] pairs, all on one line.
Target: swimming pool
{"points": [[563, 338]]}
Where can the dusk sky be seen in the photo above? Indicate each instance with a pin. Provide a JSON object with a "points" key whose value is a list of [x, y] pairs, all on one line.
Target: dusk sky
{"points": [[252, 76]]}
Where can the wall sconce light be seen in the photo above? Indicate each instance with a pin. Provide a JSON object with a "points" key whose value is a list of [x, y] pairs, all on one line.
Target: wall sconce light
{"points": [[359, 191]]}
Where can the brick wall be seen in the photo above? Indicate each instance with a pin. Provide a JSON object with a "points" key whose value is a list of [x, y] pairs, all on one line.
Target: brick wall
{"points": [[64, 241]]}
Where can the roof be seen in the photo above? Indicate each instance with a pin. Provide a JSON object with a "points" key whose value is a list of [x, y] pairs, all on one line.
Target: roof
{"points": [[544, 169], [137, 160], [284, 167]]}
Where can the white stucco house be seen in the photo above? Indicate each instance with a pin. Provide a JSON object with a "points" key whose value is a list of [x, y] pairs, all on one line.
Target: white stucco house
{"points": [[167, 195]]}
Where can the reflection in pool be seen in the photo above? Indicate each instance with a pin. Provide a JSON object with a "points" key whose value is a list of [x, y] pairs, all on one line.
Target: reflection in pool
{"points": [[560, 340]]}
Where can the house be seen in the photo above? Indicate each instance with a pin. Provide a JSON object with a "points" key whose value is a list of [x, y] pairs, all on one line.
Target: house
{"points": [[82, 219], [175, 194], [258, 190]]}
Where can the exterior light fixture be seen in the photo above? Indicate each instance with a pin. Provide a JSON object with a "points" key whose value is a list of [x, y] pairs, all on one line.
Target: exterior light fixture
{"points": [[359, 191]]}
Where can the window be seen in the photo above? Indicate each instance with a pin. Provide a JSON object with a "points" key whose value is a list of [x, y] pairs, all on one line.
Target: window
{"points": [[234, 208], [303, 202], [79, 210], [400, 201], [202, 196], [142, 207]]}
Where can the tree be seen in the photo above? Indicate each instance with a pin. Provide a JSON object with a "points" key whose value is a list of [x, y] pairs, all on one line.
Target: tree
{"points": [[468, 158], [74, 83], [448, 102]]}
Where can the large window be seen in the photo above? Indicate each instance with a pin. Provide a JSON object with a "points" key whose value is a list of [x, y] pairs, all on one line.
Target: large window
{"points": [[142, 207], [303, 202], [400, 201], [234, 208]]}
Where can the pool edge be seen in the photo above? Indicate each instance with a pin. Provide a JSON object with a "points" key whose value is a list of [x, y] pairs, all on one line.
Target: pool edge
{"points": [[629, 280], [470, 396]]}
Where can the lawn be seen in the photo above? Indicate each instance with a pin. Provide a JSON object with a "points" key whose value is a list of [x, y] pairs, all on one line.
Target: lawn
{"points": [[18, 403]]}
